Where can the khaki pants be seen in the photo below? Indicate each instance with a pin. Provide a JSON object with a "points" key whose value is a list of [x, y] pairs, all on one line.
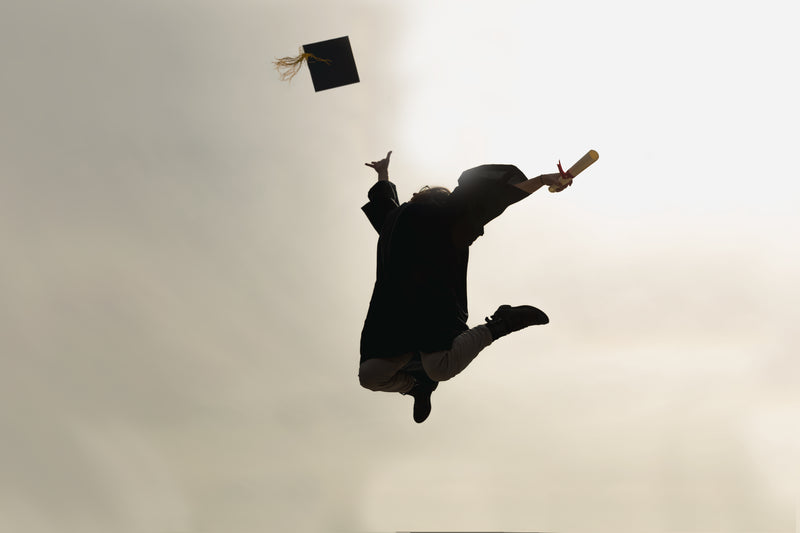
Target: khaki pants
{"points": [[387, 375]]}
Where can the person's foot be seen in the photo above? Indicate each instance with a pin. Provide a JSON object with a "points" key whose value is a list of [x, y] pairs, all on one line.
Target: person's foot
{"points": [[508, 319], [421, 392]]}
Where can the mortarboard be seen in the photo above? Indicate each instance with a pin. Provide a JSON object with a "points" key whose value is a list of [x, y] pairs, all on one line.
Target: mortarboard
{"points": [[331, 64]]}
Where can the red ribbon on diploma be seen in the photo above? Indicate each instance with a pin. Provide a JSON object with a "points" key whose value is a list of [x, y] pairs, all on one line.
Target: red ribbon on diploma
{"points": [[564, 175]]}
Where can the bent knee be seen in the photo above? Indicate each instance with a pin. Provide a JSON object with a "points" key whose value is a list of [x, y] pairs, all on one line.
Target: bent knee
{"points": [[367, 381], [369, 378], [364, 379]]}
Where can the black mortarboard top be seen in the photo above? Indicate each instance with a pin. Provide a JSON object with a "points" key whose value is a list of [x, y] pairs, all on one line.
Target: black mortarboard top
{"points": [[332, 64]]}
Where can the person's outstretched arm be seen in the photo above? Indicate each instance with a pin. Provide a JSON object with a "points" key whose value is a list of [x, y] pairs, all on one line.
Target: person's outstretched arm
{"points": [[534, 184], [484, 192], [382, 196]]}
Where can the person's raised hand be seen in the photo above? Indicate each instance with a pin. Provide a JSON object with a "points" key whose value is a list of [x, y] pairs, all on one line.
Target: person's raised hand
{"points": [[381, 167]]}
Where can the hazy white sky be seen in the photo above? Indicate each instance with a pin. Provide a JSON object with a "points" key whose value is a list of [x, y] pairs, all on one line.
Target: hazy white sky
{"points": [[186, 269]]}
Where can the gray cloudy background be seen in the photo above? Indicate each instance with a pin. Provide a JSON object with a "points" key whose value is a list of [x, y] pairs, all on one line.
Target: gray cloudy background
{"points": [[186, 269]]}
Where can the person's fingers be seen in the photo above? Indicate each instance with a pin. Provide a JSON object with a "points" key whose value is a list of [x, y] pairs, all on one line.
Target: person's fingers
{"points": [[382, 163]]}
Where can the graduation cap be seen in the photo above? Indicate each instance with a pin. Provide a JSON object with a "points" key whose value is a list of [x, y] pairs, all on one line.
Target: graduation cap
{"points": [[330, 63]]}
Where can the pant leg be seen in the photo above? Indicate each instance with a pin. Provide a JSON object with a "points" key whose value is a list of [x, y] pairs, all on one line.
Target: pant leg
{"points": [[386, 375], [441, 366]]}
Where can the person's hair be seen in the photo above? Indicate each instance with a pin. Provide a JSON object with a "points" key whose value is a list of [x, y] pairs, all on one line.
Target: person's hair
{"points": [[435, 195]]}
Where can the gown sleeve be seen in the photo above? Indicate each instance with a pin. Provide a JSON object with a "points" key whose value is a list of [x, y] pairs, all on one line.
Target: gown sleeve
{"points": [[483, 193], [382, 200]]}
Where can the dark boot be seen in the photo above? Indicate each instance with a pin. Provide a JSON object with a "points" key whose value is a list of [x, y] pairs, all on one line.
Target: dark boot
{"points": [[508, 319], [421, 392]]}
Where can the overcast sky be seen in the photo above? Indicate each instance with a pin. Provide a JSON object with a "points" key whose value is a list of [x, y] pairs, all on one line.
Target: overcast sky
{"points": [[186, 269]]}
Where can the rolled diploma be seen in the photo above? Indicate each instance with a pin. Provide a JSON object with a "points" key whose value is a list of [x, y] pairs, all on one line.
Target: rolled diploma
{"points": [[581, 165]]}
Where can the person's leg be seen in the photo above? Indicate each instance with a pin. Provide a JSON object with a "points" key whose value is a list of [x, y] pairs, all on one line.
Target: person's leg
{"points": [[386, 375], [394, 374], [441, 366]]}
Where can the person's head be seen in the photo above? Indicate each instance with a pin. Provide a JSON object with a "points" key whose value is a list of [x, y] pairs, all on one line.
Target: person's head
{"points": [[434, 195]]}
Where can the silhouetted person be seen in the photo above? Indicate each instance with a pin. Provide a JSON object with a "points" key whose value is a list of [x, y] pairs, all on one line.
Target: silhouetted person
{"points": [[415, 333]]}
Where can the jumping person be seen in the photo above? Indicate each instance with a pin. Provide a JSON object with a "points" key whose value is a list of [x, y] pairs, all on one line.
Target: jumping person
{"points": [[415, 333]]}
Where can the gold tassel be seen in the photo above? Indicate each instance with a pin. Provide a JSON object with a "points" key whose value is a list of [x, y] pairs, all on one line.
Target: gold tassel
{"points": [[288, 67]]}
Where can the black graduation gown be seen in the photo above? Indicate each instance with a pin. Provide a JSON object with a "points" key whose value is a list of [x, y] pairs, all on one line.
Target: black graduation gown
{"points": [[419, 301]]}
